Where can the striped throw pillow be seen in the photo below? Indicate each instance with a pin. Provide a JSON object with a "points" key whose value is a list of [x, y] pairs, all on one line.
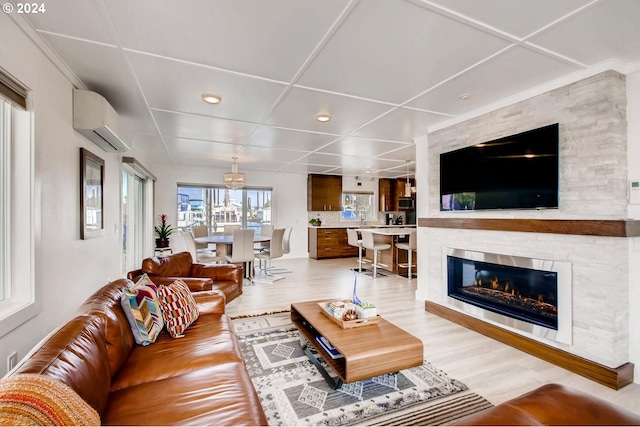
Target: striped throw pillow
{"points": [[178, 307], [140, 305]]}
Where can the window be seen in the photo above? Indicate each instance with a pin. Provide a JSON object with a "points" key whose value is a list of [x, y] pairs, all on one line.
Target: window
{"points": [[358, 206], [216, 207], [17, 209], [137, 197]]}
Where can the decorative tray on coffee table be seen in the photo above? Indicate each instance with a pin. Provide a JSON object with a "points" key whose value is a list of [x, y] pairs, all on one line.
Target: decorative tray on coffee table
{"points": [[347, 324]]}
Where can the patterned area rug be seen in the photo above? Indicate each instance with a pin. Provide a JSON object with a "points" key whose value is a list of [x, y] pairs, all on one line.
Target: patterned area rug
{"points": [[293, 392]]}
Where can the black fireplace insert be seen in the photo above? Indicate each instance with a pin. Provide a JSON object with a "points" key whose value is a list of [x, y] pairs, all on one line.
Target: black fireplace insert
{"points": [[522, 293]]}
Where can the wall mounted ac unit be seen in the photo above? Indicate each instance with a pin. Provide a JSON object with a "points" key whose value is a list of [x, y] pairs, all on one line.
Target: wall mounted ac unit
{"points": [[96, 119]]}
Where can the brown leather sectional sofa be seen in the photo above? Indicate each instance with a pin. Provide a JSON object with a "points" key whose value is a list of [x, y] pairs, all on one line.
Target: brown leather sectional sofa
{"points": [[199, 277], [197, 379], [553, 405]]}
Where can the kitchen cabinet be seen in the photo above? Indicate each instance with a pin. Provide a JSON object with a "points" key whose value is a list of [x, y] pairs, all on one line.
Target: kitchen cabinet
{"points": [[324, 193], [330, 243], [386, 194]]}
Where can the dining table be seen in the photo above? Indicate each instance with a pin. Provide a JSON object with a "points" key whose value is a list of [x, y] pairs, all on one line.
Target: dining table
{"points": [[223, 241]]}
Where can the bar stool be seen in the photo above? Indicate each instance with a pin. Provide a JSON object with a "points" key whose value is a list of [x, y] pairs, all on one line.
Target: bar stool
{"points": [[368, 243], [352, 239], [409, 247]]}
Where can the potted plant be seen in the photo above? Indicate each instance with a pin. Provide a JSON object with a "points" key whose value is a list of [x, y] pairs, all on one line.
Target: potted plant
{"points": [[316, 222], [163, 231]]}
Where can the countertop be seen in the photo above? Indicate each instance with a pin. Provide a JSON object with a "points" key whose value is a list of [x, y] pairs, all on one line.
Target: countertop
{"points": [[390, 231]]}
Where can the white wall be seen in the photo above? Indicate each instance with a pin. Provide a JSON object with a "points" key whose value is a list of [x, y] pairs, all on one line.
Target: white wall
{"points": [[68, 269], [289, 196]]}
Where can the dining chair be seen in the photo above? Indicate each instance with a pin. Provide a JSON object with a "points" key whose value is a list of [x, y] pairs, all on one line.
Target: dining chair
{"points": [[353, 240], [200, 231], [274, 251], [200, 255], [410, 246], [265, 230], [369, 243], [230, 228], [286, 248], [242, 250]]}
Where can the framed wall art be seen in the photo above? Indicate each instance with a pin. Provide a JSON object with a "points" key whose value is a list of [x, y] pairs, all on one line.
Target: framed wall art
{"points": [[91, 195]]}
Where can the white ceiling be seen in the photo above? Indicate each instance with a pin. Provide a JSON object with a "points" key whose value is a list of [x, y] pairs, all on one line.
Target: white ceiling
{"points": [[385, 70]]}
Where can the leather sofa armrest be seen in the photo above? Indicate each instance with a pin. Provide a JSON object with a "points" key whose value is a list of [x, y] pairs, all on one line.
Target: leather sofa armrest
{"points": [[553, 404], [133, 275], [196, 284], [210, 302], [217, 272]]}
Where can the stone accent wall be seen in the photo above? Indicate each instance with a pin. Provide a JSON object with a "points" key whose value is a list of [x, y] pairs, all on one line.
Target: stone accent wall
{"points": [[593, 173]]}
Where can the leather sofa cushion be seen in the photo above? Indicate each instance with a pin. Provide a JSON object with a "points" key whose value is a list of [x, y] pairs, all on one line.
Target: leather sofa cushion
{"points": [[175, 265], [76, 355], [208, 341], [118, 337], [219, 395]]}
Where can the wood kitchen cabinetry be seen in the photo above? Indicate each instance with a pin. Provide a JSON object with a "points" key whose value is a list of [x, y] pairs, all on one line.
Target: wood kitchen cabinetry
{"points": [[387, 194], [330, 243], [324, 193]]}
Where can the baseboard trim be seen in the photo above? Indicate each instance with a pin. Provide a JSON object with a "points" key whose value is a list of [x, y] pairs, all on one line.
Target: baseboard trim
{"points": [[614, 378]]}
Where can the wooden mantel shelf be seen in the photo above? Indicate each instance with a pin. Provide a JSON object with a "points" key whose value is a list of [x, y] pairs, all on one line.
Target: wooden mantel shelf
{"points": [[585, 227]]}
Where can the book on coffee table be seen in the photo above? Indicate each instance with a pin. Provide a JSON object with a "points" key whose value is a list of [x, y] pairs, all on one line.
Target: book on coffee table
{"points": [[333, 353]]}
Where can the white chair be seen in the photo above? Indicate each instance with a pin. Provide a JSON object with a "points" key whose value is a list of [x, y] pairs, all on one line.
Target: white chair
{"points": [[411, 246], [265, 230], [202, 255], [353, 240], [286, 248], [274, 251], [369, 243], [200, 231], [242, 251], [230, 228]]}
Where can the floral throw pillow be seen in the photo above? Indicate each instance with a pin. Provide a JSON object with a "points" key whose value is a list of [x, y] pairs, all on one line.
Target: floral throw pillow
{"points": [[141, 306], [178, 307]]}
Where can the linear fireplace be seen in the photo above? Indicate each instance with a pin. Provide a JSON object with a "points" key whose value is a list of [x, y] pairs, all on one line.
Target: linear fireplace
{"points": [[531, 295]]}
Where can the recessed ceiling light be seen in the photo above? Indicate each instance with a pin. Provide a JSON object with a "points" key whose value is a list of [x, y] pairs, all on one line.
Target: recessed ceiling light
{"points": [[465, 96], [211, 98], [323, 118]]}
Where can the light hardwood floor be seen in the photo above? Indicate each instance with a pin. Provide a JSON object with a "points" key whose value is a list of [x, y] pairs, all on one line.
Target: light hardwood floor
{"points": [[492, 369]]}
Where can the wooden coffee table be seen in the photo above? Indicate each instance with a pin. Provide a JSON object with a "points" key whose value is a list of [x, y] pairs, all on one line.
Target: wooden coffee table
{"points": [[368, 351]]}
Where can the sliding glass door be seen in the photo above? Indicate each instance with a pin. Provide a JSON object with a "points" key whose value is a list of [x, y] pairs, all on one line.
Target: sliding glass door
{"points": [[133, 219]]}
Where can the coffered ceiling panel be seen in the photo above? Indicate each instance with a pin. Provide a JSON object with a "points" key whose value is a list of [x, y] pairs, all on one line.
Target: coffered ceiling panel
{"points": [[401, 124], [394, 50], [192, 146], [84, 19], [271, 137], [183, 84], [607, 30], [263, 38], [201, 127], [405, 153], [259, 154], [351, 146], [494, 80], [518, 18], [300, 107]]}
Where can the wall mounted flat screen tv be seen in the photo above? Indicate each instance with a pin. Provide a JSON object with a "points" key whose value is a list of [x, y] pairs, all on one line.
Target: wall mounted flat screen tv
{"points": [[514, 172]]}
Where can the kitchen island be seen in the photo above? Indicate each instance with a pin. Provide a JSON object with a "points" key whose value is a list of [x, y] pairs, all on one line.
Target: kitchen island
{"points": [[391, 259]]}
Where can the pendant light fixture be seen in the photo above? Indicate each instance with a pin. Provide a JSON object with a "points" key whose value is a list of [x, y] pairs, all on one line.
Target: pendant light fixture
{"points": [[233, 179], [407, 184]]}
